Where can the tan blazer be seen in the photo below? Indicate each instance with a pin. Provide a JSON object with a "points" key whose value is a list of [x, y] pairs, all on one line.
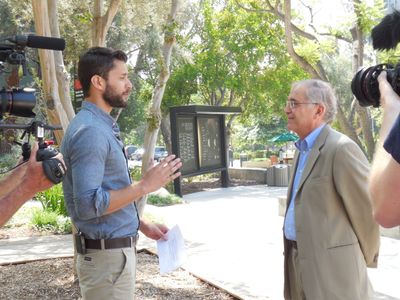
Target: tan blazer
{"points": [[337, 236]]}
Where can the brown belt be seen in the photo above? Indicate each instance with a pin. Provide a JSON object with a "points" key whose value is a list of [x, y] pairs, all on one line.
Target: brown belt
{"points": [[292, 244], [126, 242]]}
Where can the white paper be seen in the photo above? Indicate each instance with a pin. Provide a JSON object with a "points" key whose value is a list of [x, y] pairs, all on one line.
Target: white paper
{"points": [[172, 252]]}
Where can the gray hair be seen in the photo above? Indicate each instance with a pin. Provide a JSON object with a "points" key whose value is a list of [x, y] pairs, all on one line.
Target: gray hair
{"points": [[318, 91]]}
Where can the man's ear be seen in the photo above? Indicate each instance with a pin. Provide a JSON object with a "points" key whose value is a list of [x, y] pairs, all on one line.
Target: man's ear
{"points": [[320, 110], [98, 82]]}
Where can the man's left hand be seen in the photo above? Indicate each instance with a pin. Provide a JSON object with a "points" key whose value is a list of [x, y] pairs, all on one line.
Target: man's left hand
{"points": [[153, 231]]}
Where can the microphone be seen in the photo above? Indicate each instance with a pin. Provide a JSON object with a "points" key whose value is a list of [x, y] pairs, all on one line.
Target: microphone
{"points": [[37, 41]]}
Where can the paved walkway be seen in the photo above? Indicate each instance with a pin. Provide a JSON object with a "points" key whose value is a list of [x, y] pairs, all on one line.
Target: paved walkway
{"points": [[233, 238]]}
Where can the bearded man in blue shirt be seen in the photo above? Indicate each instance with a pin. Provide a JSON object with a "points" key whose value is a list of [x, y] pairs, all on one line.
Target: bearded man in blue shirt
{"points": [[98, 190]]}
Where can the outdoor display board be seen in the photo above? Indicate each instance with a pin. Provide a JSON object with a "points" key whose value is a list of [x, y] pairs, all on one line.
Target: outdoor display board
{"points": [[199, 139], [187, 148]]}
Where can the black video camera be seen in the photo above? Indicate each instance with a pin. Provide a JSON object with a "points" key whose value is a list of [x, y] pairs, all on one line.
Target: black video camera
{"points": [[21, 101], [365, 87]]}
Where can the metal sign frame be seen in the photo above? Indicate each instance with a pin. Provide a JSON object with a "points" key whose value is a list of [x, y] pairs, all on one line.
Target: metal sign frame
{"points": [[198, 137]]}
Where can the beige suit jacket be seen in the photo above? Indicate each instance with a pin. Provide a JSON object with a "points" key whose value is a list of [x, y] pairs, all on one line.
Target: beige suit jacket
{"points": [[337, 236]]}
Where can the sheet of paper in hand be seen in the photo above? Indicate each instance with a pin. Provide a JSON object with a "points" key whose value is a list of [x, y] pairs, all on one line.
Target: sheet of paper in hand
{"points": [[172, 252]]}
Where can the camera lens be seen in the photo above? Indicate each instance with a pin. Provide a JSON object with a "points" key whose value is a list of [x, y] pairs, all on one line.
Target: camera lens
{"points": [[18, 102], [365, 86]]}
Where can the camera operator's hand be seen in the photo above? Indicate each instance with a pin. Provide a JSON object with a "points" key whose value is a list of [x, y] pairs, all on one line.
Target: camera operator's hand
{"points": [[22, 184], [35, 177], [389, 98], [391, 105]]}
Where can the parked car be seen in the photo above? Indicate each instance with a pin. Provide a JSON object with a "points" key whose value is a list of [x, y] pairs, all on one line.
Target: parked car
{"points": [[130, 150], [137, 155], [160, 153]]}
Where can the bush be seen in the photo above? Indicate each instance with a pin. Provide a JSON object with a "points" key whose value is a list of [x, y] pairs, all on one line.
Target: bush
{"points": [[136, 173], [164, 201], [260, 154], [50, 221], [54, 216], [7, 162], [53, 200]]}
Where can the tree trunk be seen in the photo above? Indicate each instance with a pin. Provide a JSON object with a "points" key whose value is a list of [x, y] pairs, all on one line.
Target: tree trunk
{"points": [[101, 23], [154, 120], [63, 77], [55, 111], [358, 54], [166, 132], [55, 82]]}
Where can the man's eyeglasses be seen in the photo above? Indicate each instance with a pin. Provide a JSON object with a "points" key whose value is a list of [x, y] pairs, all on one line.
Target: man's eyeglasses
{"points": [[293, 104]]}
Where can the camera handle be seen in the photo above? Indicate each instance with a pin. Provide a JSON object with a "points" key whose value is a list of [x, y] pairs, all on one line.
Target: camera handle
{"points": [[52, 167]]}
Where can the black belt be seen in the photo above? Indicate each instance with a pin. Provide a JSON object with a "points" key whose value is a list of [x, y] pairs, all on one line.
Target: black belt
{"points": [[126, 242], [292, 244]]}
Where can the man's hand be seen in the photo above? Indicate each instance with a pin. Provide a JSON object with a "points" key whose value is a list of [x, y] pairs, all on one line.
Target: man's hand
{"points": [[153, 231], [20, 186], [389, 99], [156, 177], [34, 177], [160, 174]]}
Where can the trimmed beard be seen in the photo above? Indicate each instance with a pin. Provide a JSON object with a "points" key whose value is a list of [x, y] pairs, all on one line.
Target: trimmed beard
{"points": [[114, 100]]}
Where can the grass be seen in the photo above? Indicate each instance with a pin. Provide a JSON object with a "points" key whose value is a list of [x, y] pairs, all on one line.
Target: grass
{"points": [[157, 200], [45, 220]]}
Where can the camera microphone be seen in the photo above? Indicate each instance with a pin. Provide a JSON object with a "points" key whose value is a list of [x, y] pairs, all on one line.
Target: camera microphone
{"points": [[37, 41], [386, 35]]}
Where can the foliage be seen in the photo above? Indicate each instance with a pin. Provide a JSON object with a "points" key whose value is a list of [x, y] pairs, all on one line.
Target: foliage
{"points": [[164, 201], [369, 14], [135, 173], [46, 220], [8, 161], [256, 133], [224, 55], [52, 200]]}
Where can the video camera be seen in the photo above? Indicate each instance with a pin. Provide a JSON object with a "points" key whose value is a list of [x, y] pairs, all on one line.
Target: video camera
{"points": [[365, 87], [21, 101]]}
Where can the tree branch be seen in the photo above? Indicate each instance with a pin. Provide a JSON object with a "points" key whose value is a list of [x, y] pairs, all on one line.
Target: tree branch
{"points": [[280, 16]]}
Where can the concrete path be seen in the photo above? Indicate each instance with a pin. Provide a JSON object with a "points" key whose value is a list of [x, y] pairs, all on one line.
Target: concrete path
{"points": [[233, 238]]}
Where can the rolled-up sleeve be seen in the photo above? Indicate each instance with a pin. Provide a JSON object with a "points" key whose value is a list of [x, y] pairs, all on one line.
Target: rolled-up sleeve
{"points": [[88, 153]]}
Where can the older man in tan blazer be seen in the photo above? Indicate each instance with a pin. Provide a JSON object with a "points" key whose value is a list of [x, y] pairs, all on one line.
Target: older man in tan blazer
{"points": [[330, 236]]}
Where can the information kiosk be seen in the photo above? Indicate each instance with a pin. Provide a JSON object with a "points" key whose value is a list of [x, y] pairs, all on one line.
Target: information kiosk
{"points": [[198, 137]]}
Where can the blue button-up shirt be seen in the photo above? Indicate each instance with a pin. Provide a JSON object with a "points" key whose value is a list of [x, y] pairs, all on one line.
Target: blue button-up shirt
{"points": [[304, 147], [96, 164]]}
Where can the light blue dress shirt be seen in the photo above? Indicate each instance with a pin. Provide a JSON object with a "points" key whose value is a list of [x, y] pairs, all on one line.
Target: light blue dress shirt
{"points": [[304, 147], [96, 164]]}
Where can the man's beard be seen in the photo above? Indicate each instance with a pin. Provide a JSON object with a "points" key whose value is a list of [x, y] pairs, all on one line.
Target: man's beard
{"points": [[113, 99]]}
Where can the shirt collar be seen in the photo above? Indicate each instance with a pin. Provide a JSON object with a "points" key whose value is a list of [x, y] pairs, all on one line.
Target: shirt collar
{"points": [[309, 141], [98, 112]]}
